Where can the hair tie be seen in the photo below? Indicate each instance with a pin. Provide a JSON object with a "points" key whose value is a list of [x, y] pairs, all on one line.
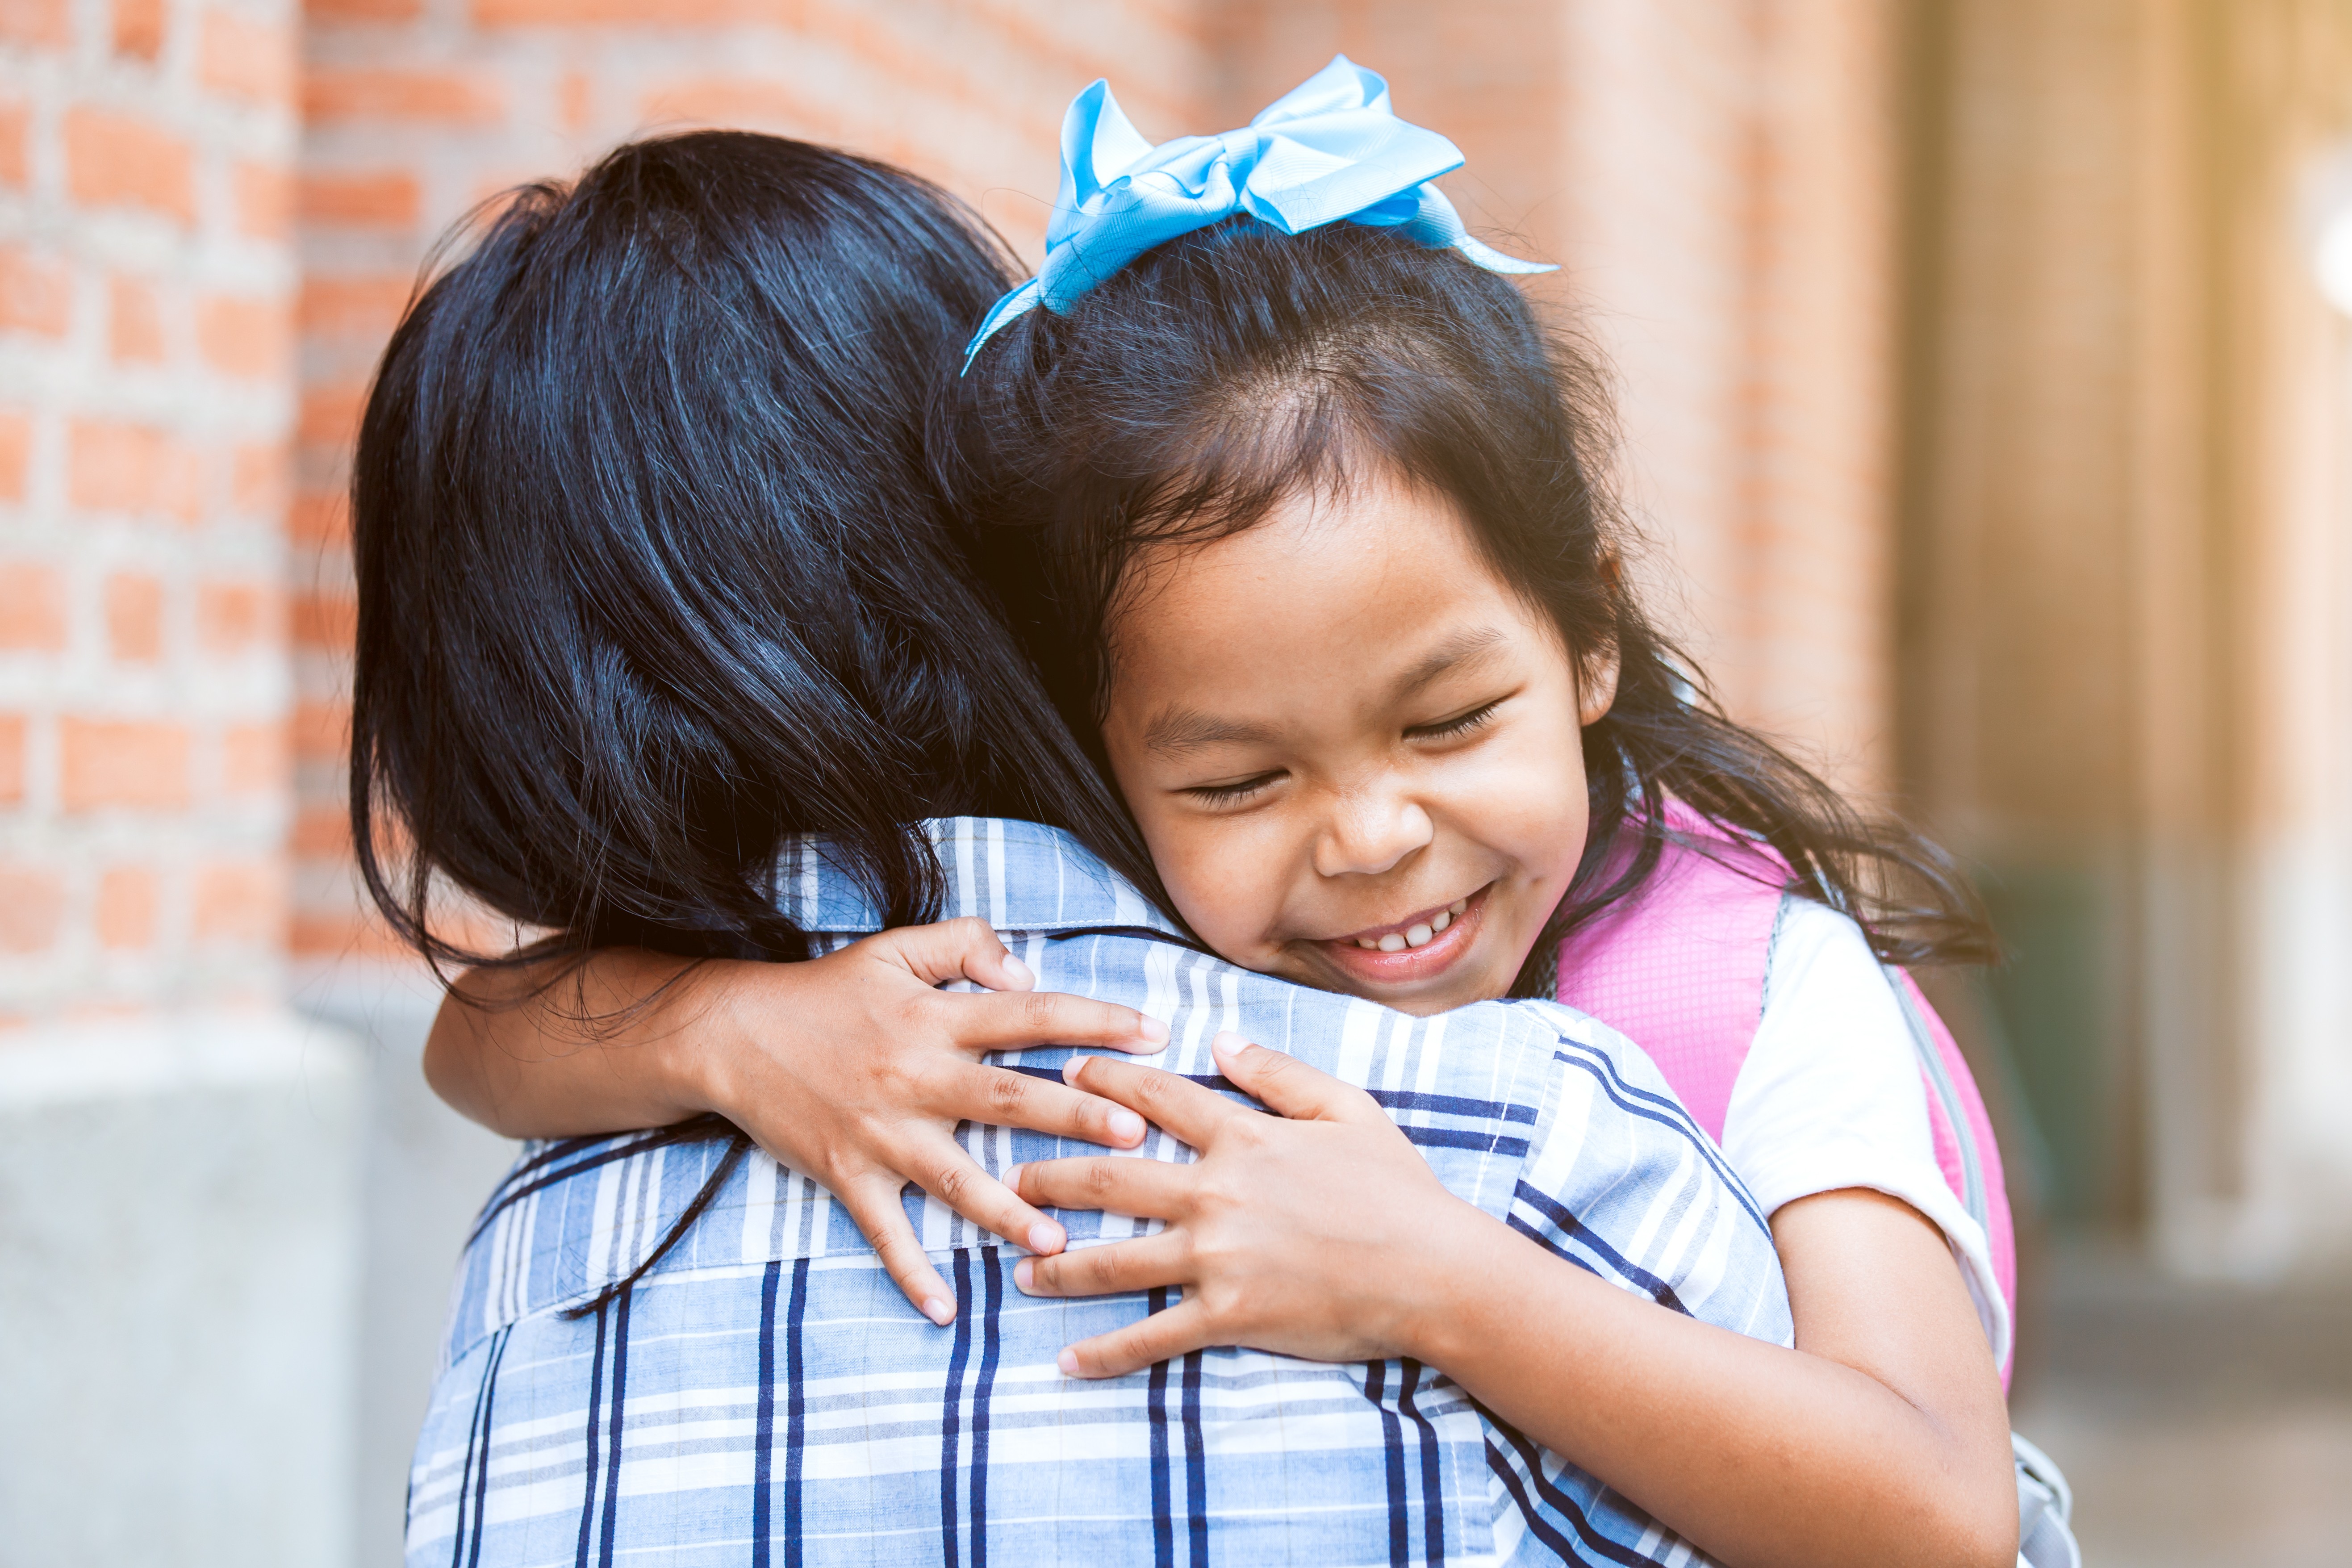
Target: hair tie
{"points": [[1329, 149]]}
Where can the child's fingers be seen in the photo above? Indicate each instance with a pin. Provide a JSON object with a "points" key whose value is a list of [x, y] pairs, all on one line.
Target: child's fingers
{"points": [[1151, 1188], [953, 1177], [1012, 1016], [964, 949], [1019, 1021], [1163, 1336], [1289, 1087], [1142, 1265], [873, 1203], [999, 1097], [1165, 1099]]}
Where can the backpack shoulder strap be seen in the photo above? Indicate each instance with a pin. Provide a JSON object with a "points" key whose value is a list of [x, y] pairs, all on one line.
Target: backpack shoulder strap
{"points": [[1679, 966], [1966, 1150]]}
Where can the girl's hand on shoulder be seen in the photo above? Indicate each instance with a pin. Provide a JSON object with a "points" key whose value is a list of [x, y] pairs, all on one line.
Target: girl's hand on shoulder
{"points": [[855, 1069], [1310, 1233]]}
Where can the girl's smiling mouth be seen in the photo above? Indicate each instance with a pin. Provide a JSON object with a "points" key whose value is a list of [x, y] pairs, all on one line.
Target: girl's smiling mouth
{"points": [[1418, 947]]}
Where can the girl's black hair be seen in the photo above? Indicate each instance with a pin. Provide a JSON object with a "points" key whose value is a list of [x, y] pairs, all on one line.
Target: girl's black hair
{"points": [[654, 571], [1182, 398]]}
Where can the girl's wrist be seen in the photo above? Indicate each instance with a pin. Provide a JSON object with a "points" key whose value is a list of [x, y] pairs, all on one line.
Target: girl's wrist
{"points": [[1450, 1301]]}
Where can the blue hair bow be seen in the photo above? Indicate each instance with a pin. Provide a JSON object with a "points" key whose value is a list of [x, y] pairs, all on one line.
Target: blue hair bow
{"points": [[1331, 148]]}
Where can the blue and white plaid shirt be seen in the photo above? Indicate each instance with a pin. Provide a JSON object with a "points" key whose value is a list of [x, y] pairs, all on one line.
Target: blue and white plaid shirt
{"points": [[765, 1396]]}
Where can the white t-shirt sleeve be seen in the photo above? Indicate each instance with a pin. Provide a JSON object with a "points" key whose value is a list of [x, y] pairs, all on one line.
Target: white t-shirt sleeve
{"points": [[1831, 1095]]}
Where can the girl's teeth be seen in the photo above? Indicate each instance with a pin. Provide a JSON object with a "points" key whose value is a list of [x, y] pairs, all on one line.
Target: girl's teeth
{"points": [[1414, 935]]}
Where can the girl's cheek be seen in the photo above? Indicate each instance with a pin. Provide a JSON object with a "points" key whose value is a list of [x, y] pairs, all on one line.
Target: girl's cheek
{"points": [[1529, 805], [1206, 868]]}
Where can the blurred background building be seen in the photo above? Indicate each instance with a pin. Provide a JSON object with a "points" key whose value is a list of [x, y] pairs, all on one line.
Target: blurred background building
{"points": [[1980, 393]]}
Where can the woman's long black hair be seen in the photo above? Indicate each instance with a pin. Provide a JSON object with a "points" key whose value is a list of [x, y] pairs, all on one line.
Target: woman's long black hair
{"points": [[654, 571], [1223, 372]]}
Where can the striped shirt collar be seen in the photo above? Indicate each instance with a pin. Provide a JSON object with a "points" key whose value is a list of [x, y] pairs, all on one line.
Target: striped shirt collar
{"points": [[1016, 875]]}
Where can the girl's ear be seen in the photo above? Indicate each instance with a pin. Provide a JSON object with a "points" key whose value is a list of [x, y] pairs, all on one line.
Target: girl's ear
{"points": [[1596, 672], [1596, 685]]}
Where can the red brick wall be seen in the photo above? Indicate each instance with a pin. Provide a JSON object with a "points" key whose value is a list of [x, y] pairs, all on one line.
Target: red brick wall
{"points": [[1728, 211], [415, 110], [146, 284], [1816, 558]]}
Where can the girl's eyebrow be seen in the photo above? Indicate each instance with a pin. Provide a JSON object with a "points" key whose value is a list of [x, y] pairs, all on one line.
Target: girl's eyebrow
{"points": [[1460, 648], [1178, 731]]}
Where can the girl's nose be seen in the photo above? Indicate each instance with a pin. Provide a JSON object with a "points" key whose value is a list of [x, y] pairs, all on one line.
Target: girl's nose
{"points": [[1370, 833]]}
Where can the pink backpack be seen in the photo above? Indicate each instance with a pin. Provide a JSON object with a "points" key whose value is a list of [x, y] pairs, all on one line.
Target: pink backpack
{"points": [[1679, 969]]}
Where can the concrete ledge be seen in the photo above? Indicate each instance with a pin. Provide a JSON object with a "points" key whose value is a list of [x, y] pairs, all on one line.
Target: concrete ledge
{"points": [[179, 1204]]}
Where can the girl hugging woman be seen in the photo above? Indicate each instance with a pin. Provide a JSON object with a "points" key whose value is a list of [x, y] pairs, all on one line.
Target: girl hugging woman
{"points": [[1298, 514]]}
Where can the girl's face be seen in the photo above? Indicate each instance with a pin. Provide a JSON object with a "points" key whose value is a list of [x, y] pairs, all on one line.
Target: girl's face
{"points": [[1353, 749]]}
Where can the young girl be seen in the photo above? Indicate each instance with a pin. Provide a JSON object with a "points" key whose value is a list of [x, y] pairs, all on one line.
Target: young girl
{"points": [[658, 613], [1303, 536]]}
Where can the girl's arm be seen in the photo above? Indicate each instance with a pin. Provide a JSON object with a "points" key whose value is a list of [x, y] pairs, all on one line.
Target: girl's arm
{"points": [[1882, 1438], [852, 1068]]}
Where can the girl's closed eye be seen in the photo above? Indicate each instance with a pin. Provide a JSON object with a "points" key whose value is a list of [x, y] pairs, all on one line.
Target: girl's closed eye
{"points": [[1235, 791], [1465, 723]]}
